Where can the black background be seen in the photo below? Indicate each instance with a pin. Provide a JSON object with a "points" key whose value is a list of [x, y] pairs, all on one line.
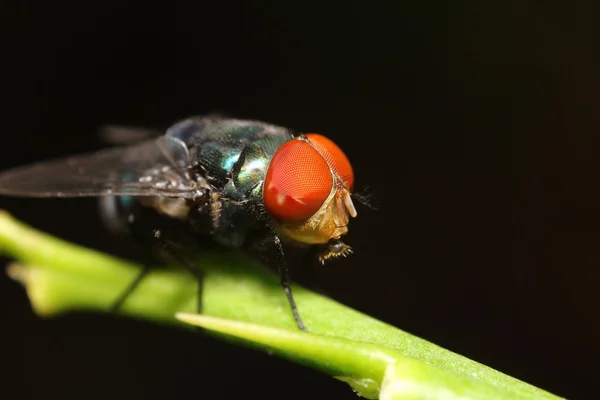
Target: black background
{"points": [[475, 124]]}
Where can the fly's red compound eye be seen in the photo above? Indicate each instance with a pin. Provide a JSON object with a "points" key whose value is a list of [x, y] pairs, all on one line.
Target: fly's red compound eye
{"points": [[334, 156], [298, 181]]}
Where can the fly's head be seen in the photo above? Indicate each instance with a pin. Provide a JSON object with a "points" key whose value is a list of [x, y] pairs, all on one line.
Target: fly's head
{"points": [[307, 193]]}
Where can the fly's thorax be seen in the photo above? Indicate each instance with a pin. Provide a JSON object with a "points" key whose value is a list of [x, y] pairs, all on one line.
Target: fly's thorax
{"points": [[247, 174], [217, 144], [240, 197]]}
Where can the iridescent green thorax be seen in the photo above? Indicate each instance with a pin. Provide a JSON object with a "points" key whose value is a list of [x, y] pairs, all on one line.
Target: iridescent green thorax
{"points": [[250, 168], [231, 148], [234, 155]]}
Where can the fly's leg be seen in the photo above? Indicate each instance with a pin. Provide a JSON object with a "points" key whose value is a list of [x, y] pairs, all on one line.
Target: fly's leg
{"points": [[183, 261], [284, 279], [138, 224], [173, 254], [114, 308], [146, 260], [334, 249]]}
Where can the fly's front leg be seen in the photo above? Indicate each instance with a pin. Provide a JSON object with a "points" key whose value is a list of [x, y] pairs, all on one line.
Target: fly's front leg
{"points": [[284, 280], [334, 249]]}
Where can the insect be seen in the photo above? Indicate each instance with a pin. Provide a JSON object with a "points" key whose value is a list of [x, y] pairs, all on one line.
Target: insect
{"points": [[239, 183]]}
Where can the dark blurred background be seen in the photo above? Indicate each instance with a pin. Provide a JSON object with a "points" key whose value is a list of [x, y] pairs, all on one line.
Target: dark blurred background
{"points": [[474, 123]]}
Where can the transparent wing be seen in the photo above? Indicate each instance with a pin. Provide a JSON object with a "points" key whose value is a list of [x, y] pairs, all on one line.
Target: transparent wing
{"points": [[126, 135], [156, 167]]}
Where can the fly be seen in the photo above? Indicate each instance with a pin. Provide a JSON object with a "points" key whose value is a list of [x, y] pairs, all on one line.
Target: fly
{"points": [[240, 183]]}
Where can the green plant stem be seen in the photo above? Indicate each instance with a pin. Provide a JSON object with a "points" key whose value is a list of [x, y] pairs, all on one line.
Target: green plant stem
{"points": [[61, 277]]}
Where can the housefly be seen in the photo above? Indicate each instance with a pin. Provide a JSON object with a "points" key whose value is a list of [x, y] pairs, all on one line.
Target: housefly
{"points": [[238, 183]]}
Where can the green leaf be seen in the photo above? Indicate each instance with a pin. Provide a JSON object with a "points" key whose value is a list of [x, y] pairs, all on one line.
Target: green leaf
{"points": [[243, 303]]}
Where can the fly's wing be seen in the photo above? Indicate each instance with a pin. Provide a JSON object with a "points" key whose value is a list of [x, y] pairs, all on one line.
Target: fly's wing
{"points": [[157, 167], [126, 135]]}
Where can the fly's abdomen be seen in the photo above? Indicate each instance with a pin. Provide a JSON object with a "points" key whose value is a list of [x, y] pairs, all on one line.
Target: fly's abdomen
{"points": [[120, 213], [115, 211]]}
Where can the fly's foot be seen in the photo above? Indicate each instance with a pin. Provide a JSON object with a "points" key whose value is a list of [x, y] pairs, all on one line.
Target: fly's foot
{"points": [[334, 249]]}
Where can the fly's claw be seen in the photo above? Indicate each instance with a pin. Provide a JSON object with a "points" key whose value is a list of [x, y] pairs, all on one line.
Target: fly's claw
{"points": [[335, 250]]}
